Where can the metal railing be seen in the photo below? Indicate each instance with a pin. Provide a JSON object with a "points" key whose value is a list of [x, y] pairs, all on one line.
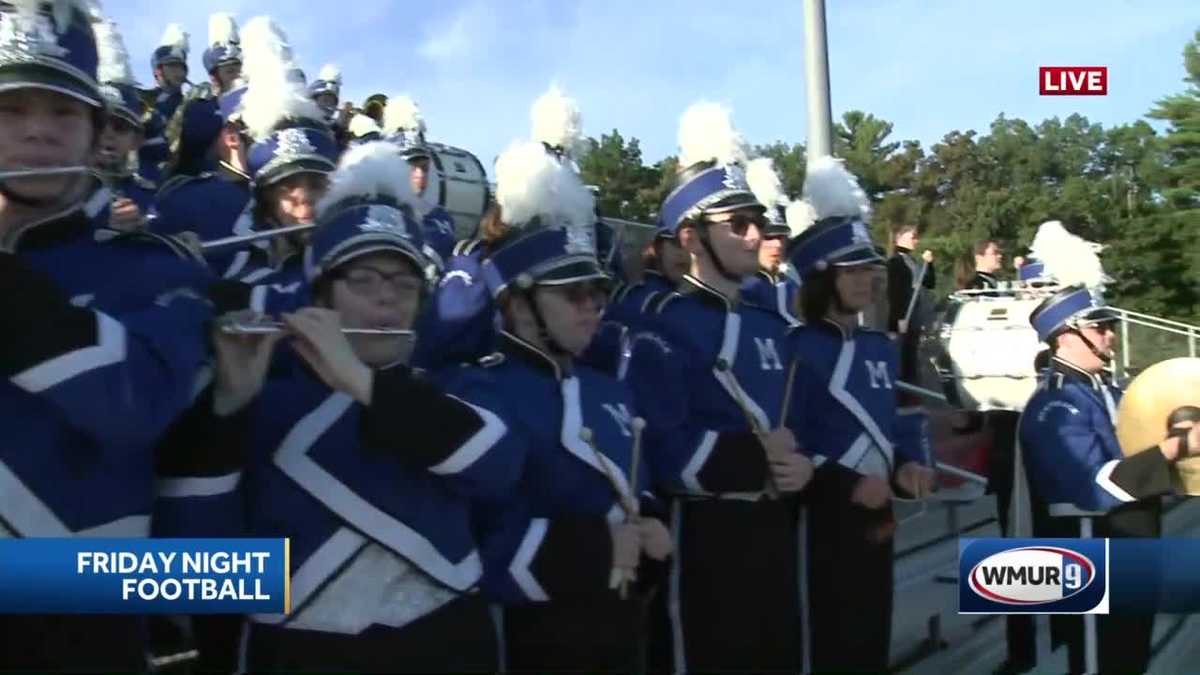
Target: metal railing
{"points": [[1148, 339]]}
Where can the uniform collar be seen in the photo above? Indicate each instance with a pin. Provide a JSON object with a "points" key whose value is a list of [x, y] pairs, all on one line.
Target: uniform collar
{"points": [[62, 225], [987, 278], [772, 278], [530, 355], [836, 328], [693, 287], [1073, 372]]}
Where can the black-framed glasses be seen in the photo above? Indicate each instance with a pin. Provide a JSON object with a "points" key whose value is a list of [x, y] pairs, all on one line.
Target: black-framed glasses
{"points": [[739, 223], [364, 280]]}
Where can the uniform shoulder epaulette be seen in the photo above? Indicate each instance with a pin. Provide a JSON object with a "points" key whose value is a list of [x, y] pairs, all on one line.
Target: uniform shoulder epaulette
{"points": [[467, 246], [175, 182], [491, 360]]}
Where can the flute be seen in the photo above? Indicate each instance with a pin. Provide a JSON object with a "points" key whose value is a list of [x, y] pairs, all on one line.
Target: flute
{"points": [[33, 172], [266, 328], [254, 236]]}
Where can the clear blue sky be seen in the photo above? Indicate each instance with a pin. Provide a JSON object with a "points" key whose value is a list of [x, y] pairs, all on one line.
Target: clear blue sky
{"points": [[928, 66]]}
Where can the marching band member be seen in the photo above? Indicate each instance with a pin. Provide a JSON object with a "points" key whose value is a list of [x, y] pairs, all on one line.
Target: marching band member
{"points": [[773, 287], [844, 411], [1069, 447], [712, 387], [555, 545], [169, 64], [403, 124], [904, 285], [102, 361], [223, 56], [987, 259], [345, 449], [664, 263], [123, 132], [326, 90]]}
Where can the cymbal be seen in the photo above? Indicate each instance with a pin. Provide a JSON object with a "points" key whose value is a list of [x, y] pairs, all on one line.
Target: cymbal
{"points": [[1148, 401]]}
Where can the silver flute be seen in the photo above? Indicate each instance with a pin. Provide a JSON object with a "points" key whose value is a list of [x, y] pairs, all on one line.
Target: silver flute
{"points": [[33, 172], [268, 327], [254, 236]]}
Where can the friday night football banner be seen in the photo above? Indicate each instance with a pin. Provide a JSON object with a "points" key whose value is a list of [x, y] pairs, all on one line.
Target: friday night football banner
{"points": [[144, 576], [1074, 576]]}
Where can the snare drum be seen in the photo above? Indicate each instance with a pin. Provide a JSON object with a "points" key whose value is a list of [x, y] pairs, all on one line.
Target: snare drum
{"points": [[458, 183]]}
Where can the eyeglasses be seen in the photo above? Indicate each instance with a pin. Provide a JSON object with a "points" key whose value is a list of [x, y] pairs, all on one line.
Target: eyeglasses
{"points": [[368, 281], [739, 223]]}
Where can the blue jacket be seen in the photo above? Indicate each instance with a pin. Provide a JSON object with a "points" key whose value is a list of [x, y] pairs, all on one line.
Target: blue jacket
{"points": [[112, 340], [844, 401], [549, 538], [366, 494], [1069, 445], [213, 208], [457, 324], [700, 376], [777, 293]]}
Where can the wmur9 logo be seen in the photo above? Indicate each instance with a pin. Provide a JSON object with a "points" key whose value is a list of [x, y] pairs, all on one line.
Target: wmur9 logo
{"points": [[1033, 576]]}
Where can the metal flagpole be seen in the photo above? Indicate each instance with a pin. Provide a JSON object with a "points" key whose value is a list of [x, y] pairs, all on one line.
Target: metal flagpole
{"points": [[820, 144]]}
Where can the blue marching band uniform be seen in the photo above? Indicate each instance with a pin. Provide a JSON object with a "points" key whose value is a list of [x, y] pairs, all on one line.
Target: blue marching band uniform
{"points": [[470, 509]]}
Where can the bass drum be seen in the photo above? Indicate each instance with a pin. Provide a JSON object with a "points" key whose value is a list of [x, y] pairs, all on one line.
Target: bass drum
{"points": [[983, 350], [460, 184]]}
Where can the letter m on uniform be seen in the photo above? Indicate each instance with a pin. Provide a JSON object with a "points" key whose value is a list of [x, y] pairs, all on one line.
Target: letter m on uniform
{"points": [[878, 370], [767, 354]]}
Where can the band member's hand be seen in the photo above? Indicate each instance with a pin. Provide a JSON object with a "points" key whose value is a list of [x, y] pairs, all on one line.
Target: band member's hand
{"points": [[241, 368], [871, 492], [320, 341], [779, 443], [192, 241], [627, 546], [655, 539], [1182, 447], [791, 471], [1018, 262], [125, 216], [927, 256], [902, 327], [916, 479]]}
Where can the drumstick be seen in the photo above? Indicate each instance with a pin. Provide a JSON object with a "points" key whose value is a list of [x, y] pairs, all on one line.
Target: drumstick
{"points": [[628, 505], [635, 464], [755, 425], [916, 289]]}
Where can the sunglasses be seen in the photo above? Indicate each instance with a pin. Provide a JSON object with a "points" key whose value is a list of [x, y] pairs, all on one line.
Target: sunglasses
{"points": [[739, 223]]}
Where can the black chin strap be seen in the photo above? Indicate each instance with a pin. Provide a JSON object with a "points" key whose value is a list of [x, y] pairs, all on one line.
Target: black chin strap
{"points": [[1106, 358], [702, 232], [543, 330], [33, 202]]}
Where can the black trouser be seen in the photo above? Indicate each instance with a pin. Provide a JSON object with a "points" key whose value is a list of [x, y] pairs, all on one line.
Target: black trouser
{"points": [[457, 638], [737, 600], [593, 634], [74, 643], [1124, 639], [1020, 630], [850, 576]]}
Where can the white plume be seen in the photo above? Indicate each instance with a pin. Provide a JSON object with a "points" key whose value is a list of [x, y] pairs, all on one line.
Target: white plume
{"points": [[402, 114], [361, 125], [113, 63], [370, 171], [833, 191], [264, 46], [706, 134], [272, 96], [531, 183], [330, 73], [222, 29], [800, 216], [557, 121], [174, 36], [1069, 258], [765, 183]]}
